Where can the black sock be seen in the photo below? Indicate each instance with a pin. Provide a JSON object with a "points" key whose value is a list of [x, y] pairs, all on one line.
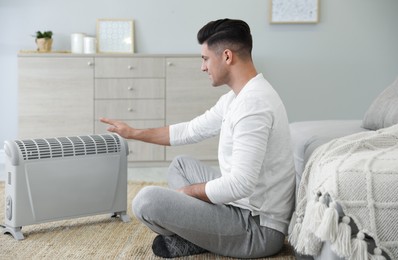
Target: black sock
{"points": [[174, 246]]}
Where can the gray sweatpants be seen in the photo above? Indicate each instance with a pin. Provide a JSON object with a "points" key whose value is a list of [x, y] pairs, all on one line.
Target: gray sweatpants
{"points": [[221, 229]]}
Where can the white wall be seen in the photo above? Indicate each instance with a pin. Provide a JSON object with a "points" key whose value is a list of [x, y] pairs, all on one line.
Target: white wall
{"points": [[331, 70]]}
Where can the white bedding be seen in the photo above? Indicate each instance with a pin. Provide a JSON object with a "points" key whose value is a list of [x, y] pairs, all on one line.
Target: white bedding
{"points": [[360, 173]]}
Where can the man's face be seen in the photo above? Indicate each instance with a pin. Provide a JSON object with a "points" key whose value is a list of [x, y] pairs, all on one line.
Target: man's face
{"points": [[213, 63]]}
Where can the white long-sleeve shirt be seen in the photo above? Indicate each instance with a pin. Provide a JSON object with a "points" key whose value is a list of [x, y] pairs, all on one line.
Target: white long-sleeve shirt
{"points": [[254, 152]]}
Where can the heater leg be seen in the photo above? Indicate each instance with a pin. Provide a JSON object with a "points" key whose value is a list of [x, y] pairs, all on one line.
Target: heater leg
{"points": [[15, 232], [123, 216]]}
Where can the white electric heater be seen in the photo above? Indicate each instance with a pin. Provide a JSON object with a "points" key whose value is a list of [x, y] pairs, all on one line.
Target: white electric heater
{"points": [[60, 178]]}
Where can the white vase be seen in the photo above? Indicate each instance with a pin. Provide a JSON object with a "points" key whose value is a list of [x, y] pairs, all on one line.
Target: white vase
{"points": [[89, 45], [77, 43]]}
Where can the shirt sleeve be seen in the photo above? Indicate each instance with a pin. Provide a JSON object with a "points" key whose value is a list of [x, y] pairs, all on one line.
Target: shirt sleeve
{"points": [[200, 128], [251, 126]]}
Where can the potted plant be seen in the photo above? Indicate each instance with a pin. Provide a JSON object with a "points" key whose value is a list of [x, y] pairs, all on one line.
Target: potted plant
{"points": [[44, 41]]}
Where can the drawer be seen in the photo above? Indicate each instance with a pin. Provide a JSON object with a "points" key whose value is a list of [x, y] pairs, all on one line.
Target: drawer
{"points": [[100, 128], [129, 67], [139, 151], [130, 109], [129, 88]]}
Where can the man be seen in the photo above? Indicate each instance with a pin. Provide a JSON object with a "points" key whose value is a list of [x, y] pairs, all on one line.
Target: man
{"points": [[243, 209]]}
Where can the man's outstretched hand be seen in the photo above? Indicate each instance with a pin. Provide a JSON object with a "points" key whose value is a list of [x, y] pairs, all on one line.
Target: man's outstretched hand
{"points": [[159, 135], [121, 128]]}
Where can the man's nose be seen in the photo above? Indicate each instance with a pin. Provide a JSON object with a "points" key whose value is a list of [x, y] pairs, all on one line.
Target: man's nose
{"points": [[203, 67]]}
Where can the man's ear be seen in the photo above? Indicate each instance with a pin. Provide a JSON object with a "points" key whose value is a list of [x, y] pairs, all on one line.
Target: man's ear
{"points": [[228, 55]]}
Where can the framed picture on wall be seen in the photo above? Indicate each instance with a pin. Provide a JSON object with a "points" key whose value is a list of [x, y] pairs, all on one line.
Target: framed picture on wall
{"points": [[294, 11], [115, 35]]}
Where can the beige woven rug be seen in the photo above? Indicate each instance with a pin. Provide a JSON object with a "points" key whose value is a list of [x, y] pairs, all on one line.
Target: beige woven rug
{"points": [[96, 237]]}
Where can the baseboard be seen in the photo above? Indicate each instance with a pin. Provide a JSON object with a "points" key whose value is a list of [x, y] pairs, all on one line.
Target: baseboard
{"points": [[2, 157]]}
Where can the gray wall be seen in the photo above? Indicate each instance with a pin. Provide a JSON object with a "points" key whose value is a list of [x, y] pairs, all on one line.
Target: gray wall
{"points": [[331, 70]]}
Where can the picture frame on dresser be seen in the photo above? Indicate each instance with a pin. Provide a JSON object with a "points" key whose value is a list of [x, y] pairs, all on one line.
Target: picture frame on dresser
{"points": [[115, 35], [294, 11]]}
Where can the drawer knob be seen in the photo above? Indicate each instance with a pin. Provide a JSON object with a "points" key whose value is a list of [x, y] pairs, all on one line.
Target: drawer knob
{"points": [[130, 88], [130, 109], [130, 67], [90, 63], [170, 64]]}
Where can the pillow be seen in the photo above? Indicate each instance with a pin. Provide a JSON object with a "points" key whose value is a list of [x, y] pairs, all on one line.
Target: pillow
{"points": [[384, 110]]}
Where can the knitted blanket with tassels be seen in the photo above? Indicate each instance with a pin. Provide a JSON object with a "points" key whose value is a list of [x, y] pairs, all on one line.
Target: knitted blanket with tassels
{"points": [[358, 173]]}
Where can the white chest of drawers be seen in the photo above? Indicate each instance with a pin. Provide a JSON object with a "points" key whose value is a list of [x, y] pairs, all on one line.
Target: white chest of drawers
{"points": [[66, 94], [132, 90]]}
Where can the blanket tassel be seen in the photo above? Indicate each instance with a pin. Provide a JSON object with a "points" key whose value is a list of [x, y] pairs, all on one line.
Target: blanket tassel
{"points": [[318, 211], [327, 230], [302, 239], [377, 255], [293, 237], [359, 247], [342, 244]]}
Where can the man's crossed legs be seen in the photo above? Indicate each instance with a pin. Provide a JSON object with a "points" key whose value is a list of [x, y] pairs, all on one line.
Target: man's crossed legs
{"points": [[190, 226]]}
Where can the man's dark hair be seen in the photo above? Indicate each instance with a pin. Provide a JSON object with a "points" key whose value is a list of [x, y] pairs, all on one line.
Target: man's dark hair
{"points": [[227, 34]]}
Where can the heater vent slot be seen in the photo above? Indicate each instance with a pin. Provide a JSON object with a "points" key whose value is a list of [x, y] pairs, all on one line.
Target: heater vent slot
{"points": [[34, 149]]}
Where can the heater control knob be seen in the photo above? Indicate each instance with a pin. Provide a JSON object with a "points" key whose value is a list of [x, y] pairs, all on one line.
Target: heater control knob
{"points": [[9, 208]]}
